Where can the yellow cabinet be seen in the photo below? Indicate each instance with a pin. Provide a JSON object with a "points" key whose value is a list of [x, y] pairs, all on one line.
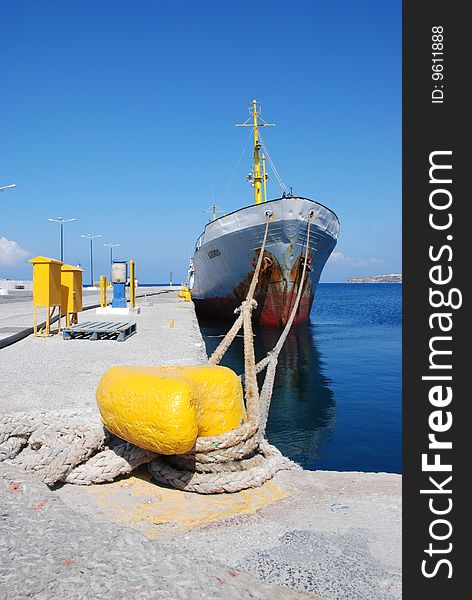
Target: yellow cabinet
{"points": [[71, 286], [46, 288], [46, 281]]}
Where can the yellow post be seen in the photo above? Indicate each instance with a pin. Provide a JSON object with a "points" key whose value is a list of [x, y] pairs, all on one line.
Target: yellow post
{"points": [[132, 285], [264, 177], [171, 279], [103, 291]]}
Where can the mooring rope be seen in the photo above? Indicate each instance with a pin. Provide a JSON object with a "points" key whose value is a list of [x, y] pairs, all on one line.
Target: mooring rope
{"points": [[73, 446], [270, 361]]}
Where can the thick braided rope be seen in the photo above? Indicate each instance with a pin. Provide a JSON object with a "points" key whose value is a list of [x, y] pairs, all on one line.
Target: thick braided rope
{"points": [[54, 450], [227, 440], [63, 446], [266, 395], [226, 342], [223, 482], [184, 463], [56, 441], [11, 447], [236, 452], [229, 337], [250, 427], [250, 381], [261, 365], [120, 458], [255, 277], [23, 424]]}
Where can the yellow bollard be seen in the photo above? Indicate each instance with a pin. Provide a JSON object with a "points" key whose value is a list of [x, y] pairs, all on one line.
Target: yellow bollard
{"points": [[165, 409], [103, 291], [185, 294], [171, 323], [132, 285]]}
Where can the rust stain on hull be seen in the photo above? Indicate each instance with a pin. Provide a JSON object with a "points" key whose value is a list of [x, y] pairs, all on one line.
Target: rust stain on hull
{"points": [[275, 294]]}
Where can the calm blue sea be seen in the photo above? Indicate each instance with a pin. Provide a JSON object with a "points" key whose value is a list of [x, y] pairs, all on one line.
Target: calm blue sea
{"points": [[337, 397]]}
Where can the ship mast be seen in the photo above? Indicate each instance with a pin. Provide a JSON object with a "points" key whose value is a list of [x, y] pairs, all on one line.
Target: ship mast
{"points": [[213, 209], [256, 178], [265, 177]]}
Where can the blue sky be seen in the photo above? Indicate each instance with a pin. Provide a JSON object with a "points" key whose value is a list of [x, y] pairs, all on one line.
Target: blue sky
{"points": [[122, 115]]}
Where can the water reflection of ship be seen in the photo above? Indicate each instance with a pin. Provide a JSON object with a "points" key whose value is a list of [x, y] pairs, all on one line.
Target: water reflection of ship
{"points": [[303, 411]]}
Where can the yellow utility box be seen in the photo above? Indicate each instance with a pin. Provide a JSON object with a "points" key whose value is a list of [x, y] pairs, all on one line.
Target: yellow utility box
{"points": [[46, 290], [71, 292]]}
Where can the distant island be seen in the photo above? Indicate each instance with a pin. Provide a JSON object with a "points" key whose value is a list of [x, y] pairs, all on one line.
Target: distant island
{"points": [[393, 278]]}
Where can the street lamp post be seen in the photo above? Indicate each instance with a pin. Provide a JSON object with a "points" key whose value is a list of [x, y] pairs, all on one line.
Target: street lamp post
{"points": [[61, 220], [7, 187], [91, 237], [111, 246]]}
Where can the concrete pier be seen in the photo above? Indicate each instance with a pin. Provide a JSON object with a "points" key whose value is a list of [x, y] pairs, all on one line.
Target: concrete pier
{"points": [[302, 535]]}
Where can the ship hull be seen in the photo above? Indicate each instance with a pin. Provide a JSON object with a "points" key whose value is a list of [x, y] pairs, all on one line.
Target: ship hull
{"points": [[226, 254]]}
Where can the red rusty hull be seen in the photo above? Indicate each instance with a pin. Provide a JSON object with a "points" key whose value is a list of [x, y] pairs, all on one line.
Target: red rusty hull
{"points": [[278, 304], [274, 304]]}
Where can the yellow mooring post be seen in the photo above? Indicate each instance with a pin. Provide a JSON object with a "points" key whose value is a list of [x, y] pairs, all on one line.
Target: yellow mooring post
{"points": [[103, 291], [132, 285], [170, 279], [165, 409], [46, 291]]}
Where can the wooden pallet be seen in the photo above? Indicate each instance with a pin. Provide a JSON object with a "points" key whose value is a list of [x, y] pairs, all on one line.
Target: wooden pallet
{"points": [[96, 330]]}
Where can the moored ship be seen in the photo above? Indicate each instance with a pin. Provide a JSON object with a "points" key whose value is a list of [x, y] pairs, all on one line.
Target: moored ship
{"points": [[226, 253]]}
